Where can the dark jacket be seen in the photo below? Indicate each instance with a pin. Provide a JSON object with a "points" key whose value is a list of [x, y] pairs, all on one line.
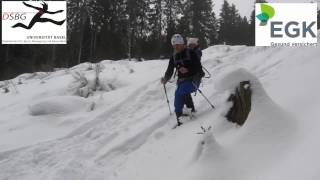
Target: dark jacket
{"points": [[198, 52], [187, 59]]}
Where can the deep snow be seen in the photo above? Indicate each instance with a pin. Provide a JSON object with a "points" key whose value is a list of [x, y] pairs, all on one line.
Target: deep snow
{"points": [[48, 133]]}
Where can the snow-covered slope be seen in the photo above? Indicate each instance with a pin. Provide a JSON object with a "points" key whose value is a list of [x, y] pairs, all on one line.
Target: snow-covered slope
{"points": [[125, 133]]}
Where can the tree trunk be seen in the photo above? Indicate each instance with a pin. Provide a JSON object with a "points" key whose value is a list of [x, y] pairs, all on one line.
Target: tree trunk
{"points": [[7, 53], [80, 47], [53, 57], [83, 22], [93, 45], [129, 42], [241, 99]]}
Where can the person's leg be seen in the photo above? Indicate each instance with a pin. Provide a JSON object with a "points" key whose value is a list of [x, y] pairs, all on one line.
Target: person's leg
{"points": [[183, 89], [189, 97], [188, 101], [179, 100], [196, 85]]}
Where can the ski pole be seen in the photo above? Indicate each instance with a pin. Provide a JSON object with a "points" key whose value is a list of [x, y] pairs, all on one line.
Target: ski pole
{"points": [[203, 95], [165, 91], [207, 73]]}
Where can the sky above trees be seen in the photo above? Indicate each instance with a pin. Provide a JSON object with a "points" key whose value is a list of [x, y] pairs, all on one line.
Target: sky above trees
{"points": [[245, 7]]}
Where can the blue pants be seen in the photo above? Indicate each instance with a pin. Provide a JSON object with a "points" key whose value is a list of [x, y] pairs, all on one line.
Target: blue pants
{"points": [[183, 89]]}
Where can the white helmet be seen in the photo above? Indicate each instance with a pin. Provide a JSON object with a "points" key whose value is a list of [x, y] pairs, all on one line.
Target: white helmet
{"points": [[194, 41], [177, 39]]}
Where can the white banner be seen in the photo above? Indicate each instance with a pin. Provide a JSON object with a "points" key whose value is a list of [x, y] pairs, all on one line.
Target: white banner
{"points": [[34, 22], [286, 24]]}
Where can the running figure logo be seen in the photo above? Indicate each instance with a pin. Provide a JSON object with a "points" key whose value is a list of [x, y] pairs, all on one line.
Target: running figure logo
{"points": [[37, 17]]}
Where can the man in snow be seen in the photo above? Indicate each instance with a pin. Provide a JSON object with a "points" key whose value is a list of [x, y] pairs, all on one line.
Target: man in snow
{"points": [[189, 70]]}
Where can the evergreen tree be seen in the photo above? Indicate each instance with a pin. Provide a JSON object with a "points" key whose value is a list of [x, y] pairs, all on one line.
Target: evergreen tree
{"points": [[244, 36], [172, 11], [235, 20], [85, 19], [229, 24], [199, 21], [155, 18], [137, 25], [225, 23], [112, 41], [155, 28]]}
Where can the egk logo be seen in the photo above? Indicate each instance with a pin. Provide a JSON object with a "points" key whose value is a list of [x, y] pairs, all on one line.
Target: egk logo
{"points": [[267, 13], [37, 17], [286, 24]]}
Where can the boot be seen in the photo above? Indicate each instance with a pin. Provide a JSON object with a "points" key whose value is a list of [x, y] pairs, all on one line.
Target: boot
{"points": [[189, 102], [178, 118]]}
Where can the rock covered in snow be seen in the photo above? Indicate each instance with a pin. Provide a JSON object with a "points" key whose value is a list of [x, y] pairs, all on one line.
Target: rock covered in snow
{"points": [[241, 99]]}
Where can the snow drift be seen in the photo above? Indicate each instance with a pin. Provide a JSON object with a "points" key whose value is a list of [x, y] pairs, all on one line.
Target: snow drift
{"points": [[59, 106], [267, 135]]}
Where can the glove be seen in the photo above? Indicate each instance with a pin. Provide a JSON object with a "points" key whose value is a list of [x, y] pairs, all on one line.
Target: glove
{"points": [[163, 80]]}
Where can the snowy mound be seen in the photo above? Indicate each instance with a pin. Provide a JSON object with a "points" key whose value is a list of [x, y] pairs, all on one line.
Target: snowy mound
{"points": [[266, 119], [59, 105], [228, 81], [266, 136]]}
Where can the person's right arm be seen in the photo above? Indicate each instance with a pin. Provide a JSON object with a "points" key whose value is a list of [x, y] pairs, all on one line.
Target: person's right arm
{"points": [[169, 71]]}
